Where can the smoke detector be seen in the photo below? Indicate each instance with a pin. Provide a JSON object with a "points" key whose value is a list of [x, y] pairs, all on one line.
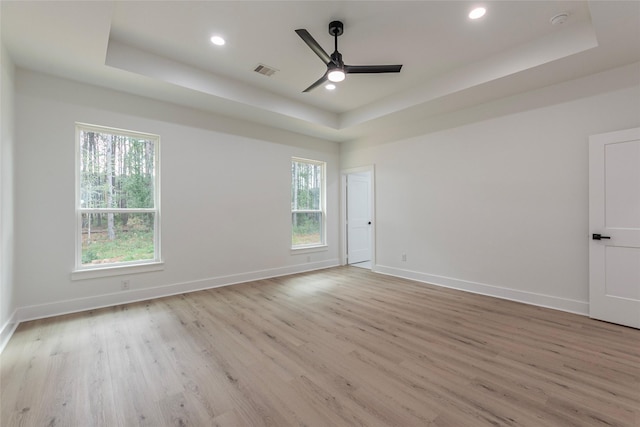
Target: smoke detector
{"points": [[559, 19]]}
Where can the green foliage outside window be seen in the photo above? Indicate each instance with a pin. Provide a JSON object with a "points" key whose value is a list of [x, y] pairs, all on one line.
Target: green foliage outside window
{"points": [[117, 203], [307, 216]]}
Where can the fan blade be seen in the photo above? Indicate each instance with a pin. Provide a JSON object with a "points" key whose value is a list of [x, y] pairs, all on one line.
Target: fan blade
{"points": [[366, 69], [317, 83], [313, 44]]}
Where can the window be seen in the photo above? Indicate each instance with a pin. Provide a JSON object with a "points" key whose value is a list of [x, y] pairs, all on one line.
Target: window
{"points": [[117, 197], [307, 203]]}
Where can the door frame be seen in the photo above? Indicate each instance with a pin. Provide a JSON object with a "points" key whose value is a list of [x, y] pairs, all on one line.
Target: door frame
{"points": [[343, 212]]}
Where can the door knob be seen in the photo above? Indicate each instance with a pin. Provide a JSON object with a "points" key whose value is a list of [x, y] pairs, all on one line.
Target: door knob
{"points": [[599, 237]]}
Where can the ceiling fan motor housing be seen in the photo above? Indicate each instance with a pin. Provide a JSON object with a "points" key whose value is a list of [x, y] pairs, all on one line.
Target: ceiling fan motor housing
{"points": [[336, 57]]}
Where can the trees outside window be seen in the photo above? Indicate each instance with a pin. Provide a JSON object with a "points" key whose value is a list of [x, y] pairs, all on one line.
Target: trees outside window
{"points": [[117, 197], [307, 203]]}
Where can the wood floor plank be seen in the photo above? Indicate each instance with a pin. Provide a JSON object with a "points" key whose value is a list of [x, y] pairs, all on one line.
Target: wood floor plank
{"points": [[336, 347]]}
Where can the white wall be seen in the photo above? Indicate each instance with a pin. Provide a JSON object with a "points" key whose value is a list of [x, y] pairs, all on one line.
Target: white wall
{"points": [[225, 196], [499, 206], [7, 294]]}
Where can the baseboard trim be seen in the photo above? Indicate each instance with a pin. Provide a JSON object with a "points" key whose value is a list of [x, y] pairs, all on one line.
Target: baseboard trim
{"points": [[7, 330], [547, 301], [40, 311]]}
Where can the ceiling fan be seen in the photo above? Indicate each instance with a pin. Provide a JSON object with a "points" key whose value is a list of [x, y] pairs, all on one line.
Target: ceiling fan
{"points": [[336, 69]]}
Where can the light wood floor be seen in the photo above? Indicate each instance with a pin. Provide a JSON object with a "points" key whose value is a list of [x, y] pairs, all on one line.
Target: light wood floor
{"points": [[338, 347]]}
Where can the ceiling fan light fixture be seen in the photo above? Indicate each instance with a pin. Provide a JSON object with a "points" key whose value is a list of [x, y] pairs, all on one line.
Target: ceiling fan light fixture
{"points": [[336, 75]]}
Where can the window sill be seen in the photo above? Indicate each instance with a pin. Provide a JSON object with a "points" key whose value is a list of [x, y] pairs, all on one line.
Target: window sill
{"points": [[309, 249], [118, 270]]}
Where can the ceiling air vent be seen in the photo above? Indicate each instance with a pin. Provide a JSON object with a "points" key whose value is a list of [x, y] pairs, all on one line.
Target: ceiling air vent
{"points": [[265, 70]]}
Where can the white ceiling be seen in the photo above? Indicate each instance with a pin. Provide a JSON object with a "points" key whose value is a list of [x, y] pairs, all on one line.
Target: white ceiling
{"points": [[162, 50]]}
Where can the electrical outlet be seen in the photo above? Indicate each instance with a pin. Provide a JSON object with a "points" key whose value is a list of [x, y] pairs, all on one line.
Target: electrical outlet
{"points": [[125, 284], [404, 258]]}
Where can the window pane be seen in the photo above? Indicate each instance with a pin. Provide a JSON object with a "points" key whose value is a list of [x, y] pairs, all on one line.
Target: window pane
{"points": [[307, 228], [117, 237], [306, 179], [116, 171]]}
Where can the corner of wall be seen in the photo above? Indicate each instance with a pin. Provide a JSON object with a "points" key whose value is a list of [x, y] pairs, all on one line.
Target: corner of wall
{"points": [[7, 330], [7, 197]]}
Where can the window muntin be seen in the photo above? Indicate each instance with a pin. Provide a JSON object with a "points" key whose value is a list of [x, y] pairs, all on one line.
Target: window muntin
{"points": [[117, 197], [307, 203]]}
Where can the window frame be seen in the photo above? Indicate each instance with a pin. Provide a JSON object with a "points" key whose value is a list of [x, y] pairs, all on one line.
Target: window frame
{"points": [[98, 270], [321, 210]]}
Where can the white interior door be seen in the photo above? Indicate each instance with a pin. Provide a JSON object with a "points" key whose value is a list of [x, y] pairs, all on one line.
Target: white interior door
{"points": [[358, 217], [614, 221]]}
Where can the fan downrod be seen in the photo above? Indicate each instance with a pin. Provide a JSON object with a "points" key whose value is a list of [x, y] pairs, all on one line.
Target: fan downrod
{"points": [[336, 28]]}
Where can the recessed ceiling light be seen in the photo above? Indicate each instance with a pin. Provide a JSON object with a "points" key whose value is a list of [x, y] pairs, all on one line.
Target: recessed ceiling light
{"points": [[330, 86], [478, 12], [217, 40]]}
